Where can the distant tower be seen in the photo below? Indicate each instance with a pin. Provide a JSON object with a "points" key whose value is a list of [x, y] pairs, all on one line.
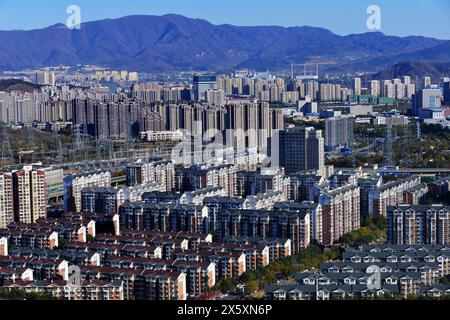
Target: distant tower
{"points": [[388, 150], [111, 149], [6, 152], [78, 148], [60, 155], [98, 150], [418, 130], [30, 135], [406, 139], [78, 145]]}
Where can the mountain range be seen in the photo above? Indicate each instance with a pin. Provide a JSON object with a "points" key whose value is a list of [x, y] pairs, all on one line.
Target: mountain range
{"points": [[9, 85], [415, 69], [174, 42]]}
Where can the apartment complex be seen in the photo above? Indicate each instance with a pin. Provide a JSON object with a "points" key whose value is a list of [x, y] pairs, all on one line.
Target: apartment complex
{"points": [[340, 212], [370, 272], [389, 194], [260, 224], [160, 172], [74, 184], [301, 149], [339, 131], [6, 199], [418, 225], [62, 290], [22, 195], [134, 264]]}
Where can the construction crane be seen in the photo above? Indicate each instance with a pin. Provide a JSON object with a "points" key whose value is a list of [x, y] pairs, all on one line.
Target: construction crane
{"points": [[305, 67]]}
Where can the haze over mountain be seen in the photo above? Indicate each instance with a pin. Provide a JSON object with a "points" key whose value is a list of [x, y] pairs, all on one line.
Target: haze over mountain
{"points": [[173, 42], [435, 70]]}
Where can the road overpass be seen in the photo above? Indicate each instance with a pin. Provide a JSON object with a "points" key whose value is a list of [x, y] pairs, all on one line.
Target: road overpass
{"points": [[404, 171]]}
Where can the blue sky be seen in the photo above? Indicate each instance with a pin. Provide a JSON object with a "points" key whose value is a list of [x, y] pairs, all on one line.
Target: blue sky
{"points": [[399, 17]]}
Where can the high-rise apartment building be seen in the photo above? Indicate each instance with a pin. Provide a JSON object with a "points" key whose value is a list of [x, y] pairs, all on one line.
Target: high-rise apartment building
{"points": [[339, 131], [389, 194], [406, 80], [45, 78], [375, 89], [410, 89], [301, 149], [329, 92], [100, 200], [399, 91], [426, 82], [277, 119], [148, 92], [215, 97], [447, 93], [366, 185], [430, 98], [340, 212], [133, 76], [23, 196], [312, 89], [161, 172], [73, 185], [357, 87], [389, 90], [30, 202], [6, 199], [202, 84], [418, 225]]}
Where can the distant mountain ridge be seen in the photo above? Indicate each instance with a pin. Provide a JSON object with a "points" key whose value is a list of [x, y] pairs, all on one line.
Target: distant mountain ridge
{"points": [[10, 85], [174, 42], [435, 70]]}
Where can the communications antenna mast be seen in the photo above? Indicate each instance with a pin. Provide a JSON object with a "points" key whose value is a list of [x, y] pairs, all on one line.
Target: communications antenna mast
{"points": [[6, 150], [388, 151]]}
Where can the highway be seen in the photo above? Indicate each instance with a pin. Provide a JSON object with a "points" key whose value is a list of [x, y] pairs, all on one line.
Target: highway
{"points": [[414, 171]]}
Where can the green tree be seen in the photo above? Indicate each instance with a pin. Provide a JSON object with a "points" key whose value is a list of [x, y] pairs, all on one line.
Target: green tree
{"points": [[226, 285], [17, 294], [251, 286], [445, 280]]}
